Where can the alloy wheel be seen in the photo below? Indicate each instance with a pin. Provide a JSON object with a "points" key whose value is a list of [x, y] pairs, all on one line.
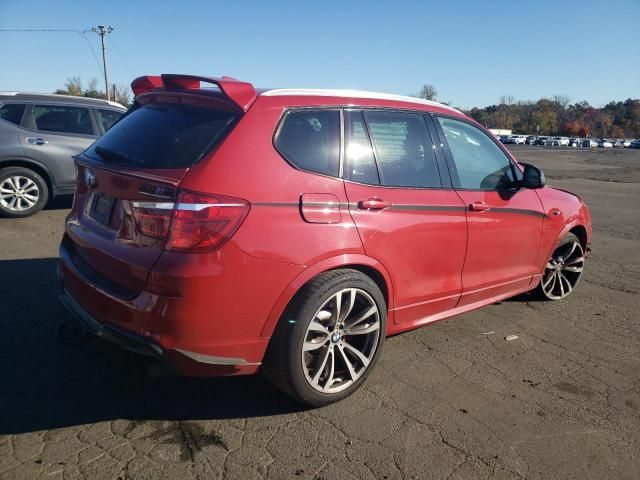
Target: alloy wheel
{"points": [[563, 271], [341, 340], [18, 193]]}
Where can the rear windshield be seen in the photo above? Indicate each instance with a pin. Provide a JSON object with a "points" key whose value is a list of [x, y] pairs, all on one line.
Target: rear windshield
{"points": [[162, 136]]}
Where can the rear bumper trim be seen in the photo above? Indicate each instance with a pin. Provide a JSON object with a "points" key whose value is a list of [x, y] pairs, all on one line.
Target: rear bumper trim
{"points": [[136, 343], [214, 360], [128, 341]]}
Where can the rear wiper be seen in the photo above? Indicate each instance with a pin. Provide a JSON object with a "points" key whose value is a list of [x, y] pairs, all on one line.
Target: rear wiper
{"points": [[108, 154]]}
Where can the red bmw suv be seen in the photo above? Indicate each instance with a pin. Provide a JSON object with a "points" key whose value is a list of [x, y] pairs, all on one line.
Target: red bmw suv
{"points": [[224, 230]]}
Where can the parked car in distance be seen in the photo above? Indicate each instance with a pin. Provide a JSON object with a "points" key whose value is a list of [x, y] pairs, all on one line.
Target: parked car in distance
{"points": [[626, 143], [515, 139], [560, 141], [618, 143], [575, 142], [589, 143], [39, 135], [531, 140], [604, 143], [542, 140], [289, 231], [634, 143]]}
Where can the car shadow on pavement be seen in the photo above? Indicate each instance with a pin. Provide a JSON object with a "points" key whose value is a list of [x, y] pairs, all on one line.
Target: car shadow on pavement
{"points": [[62, 202], [52, 378]]}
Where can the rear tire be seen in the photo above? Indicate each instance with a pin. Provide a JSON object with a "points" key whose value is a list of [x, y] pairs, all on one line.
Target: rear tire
{"points": [[329, 338], [22, 192]]}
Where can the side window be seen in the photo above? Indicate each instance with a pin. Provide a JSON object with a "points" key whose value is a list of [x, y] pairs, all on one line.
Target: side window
{"points": [[310, 140], [107, 117], [480, 163], [403, 148], [359, 162], [62, 119], [12, 112]]}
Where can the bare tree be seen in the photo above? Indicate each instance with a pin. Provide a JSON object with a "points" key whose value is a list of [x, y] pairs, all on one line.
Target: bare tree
{"points": [[74, 86], [427, 92], [122, 94], [506, 100], [561, 100]]}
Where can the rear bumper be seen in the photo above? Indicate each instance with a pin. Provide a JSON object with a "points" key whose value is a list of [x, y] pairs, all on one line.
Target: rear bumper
{"points": [[109, 333], [208, 328]]}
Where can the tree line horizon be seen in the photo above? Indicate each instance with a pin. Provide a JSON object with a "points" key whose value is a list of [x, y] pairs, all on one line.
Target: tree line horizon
{"points": [[546, 116], [555, 116]]}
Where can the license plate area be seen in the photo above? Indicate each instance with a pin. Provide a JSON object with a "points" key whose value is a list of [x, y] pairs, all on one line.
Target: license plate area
{"points": [[101, 208]]}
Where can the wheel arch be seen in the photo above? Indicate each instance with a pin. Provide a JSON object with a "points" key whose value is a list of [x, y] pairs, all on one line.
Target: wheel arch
{"points": [[362, 263], [581, 232], [31, 165]]}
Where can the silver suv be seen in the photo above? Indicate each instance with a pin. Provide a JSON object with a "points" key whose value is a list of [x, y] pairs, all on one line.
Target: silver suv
{"points": [[39, 135]]}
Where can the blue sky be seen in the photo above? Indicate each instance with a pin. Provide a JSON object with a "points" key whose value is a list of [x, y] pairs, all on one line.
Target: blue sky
{"points": [[472, 51]]}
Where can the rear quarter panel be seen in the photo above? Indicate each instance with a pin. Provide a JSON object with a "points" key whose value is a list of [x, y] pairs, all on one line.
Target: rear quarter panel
{"points": [[246, 165]]}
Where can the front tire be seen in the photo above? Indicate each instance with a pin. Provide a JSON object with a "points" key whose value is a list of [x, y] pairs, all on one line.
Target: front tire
{"points": [[563, 271], [329, 338], [22, 192]]}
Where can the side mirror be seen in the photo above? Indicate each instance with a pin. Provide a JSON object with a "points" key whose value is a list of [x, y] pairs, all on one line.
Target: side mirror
{"points": [[532, 177]]}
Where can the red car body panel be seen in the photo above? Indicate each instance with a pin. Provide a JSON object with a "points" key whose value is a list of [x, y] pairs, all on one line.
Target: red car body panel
{"points": [[432, 254], [410, 239], [503, 242]]}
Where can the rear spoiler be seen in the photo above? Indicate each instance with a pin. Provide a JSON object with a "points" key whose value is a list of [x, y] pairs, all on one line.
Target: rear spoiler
{"points": [[243, 94]]}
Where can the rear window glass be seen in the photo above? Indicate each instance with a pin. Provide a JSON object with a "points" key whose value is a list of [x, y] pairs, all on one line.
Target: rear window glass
{"points": [[162, 136], [310, 139], [12, 112], [404, 149], [62, 119], [108, 117]]}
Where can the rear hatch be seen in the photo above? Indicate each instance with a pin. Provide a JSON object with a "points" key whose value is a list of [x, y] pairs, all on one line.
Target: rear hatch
{"points": [[127, 185]]}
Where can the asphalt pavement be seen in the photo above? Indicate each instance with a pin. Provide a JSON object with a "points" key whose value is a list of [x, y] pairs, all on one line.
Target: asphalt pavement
{"points": [[450, 400]]}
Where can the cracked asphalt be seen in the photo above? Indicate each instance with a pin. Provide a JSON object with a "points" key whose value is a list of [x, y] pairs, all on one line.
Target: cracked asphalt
{"points": [[451, 400]]}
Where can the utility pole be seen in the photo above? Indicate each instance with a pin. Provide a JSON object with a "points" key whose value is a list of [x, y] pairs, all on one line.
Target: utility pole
{"points": [[102, 31]]}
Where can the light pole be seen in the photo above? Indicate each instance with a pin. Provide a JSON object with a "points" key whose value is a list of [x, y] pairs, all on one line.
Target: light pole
{"points": [[102, 30]]}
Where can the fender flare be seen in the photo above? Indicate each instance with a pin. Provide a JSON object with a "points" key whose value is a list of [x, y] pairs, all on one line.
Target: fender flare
{"points": [[332, 263], [575, 221]]}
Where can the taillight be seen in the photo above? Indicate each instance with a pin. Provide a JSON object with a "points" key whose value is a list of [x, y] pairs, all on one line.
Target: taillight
{"points": [[195, 223], [153, 218]]}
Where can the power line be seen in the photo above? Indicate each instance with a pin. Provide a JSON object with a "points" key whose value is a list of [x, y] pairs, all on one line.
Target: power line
{"points": [[82, 34], [40, 30], [117, 50], [101, 30], [93, 51]]}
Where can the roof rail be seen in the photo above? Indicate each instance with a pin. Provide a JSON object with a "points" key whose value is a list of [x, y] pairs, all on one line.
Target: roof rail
{"points": [[243, 94]]}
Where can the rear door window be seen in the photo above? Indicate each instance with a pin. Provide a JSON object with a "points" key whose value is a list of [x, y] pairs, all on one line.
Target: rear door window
{"points": [[359, 162], [62, 119], [310, 140], [12, 112], [162, 136], [403, 149], [106, 118]]}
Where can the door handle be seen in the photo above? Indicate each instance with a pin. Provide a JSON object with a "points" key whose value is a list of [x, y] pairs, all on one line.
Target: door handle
{"points": [[37, 141], [479, 207], [373, 204]]}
